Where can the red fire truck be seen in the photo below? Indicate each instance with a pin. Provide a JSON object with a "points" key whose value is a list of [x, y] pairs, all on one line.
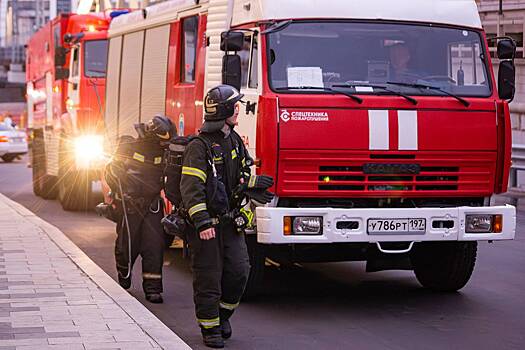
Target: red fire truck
{"points": [[65, 73], [383, 126]]}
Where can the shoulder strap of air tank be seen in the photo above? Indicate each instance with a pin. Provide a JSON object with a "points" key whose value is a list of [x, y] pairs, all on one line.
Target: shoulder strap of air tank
{"points": [[207, 144]]}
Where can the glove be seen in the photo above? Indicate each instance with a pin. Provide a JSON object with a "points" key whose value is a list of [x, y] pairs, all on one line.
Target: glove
{"points": [[259, 182], [261, 196]]}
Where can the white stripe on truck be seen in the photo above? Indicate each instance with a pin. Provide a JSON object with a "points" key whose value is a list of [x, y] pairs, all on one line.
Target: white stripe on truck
{"points": [[407, 130], [378, 129]]}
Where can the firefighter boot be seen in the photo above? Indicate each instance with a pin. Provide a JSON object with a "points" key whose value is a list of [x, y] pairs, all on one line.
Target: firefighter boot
{"points": [[155, 298], [212, 337], [226, 328], [124, 282]]}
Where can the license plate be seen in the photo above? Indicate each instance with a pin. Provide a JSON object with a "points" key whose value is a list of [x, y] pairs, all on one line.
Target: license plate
{"points": [[394, 226], [17, 140]]}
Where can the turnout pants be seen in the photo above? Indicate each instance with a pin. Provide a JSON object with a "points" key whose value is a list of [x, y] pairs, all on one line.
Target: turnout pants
{"points": [[147, 240], [220, 272]]}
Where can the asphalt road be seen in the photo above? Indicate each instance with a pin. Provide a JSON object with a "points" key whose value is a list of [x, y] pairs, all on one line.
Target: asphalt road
{"points": [[325, 306]]}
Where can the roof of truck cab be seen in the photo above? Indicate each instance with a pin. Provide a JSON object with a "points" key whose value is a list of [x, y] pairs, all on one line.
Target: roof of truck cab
{"points": [[450, 12], [462, 13]]}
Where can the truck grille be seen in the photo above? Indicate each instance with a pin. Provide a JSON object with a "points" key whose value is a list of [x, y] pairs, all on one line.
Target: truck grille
{"points": [[421, 174]]}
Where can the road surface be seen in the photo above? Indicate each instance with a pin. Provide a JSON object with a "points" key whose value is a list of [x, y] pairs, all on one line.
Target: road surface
{"points": [[325, 306]]}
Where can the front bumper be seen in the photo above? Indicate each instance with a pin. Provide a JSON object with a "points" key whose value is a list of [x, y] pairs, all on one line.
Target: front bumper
{"points": [[270, 224]]}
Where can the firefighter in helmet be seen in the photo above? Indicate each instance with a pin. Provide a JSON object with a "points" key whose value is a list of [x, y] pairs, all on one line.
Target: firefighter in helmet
{"points": [[135, 177], [212, 170]]}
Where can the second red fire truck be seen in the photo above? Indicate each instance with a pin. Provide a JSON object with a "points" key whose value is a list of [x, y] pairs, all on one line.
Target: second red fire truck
{"points": [[66, 77]]}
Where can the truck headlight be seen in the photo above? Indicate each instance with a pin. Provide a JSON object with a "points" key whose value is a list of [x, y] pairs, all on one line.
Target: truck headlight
{"points": [[484, 223], [303, 225], [89, 149]]}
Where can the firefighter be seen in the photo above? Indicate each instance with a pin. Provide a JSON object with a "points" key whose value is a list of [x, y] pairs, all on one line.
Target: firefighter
{"points": [[135, 176], [214, 165]]}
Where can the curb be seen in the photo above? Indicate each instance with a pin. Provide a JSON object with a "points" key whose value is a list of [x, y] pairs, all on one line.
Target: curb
{"points": [[149, 323]]}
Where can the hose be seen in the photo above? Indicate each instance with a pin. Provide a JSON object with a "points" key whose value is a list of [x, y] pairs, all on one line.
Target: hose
{"points": [[127, 228]]}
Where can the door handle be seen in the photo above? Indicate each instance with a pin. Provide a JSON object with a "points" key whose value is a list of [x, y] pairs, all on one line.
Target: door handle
{"points": [[250, 107]]}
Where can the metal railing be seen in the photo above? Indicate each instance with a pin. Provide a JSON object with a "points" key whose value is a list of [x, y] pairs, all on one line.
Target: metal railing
{"points": [[518, 164]]}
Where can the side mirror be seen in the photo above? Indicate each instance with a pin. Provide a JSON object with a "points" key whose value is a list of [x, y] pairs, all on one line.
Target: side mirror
{"points": [[232, 41], [506, 80], [231, 71], [68, 37], [60, 56], [506, 49], [61, 73]]}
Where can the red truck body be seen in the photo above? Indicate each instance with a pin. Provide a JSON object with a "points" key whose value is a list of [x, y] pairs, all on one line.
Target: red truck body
{"points": [[65, 73], [367, 165]]}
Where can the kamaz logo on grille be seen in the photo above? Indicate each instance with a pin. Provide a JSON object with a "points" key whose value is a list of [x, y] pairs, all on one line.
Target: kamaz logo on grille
{"points": [[378, 168]]}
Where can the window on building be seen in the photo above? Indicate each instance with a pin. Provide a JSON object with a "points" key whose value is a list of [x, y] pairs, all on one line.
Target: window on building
{"points": [[190, 29]]}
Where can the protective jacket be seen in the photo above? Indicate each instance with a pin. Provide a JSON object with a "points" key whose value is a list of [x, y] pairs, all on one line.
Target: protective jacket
{"points": [[206, 169]]}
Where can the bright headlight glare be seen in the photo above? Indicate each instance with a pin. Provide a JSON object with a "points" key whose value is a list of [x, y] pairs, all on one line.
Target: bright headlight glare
{"points": [[89, 148], [307, 225], [478, 223]]}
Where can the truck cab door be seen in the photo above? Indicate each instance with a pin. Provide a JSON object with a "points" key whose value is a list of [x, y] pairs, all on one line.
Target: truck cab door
{"points": [[73, 88], [251, 88]]}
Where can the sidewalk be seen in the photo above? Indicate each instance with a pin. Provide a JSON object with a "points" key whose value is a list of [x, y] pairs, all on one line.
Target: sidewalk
{"points": [[52, 296]]}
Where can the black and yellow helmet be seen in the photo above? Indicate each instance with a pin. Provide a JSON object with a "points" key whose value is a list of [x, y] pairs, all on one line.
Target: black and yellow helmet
{"points": [[161, 127], [219, 105]]}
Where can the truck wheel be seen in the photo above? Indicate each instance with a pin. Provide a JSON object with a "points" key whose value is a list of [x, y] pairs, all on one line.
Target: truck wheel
{"points": [[8, 158], [257, 262], [74, 187], [75, 191], [444, 266], [44, 185]]}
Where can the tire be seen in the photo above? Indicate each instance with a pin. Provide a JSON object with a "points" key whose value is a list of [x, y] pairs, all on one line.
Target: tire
{"points": [[8, 158], [44, 185], [74, 191], [74, 187], [257, 255], [444, 266]]}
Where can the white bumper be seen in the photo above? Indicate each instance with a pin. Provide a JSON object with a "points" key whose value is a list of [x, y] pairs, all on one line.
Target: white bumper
{"points": [[13, 148], [270, 224]]}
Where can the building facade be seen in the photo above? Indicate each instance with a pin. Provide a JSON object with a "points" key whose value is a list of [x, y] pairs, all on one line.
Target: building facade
{"points": [[19, 19]]}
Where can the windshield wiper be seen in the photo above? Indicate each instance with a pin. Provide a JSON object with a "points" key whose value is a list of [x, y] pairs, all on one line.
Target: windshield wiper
{"points": [[431, 87], [353, 97], [373, 86], [277, 27]]}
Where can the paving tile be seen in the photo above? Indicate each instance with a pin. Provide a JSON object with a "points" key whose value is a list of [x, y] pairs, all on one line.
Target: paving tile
{"points": [[51, 347], [21, 330], [81, 340], [46, 335]]}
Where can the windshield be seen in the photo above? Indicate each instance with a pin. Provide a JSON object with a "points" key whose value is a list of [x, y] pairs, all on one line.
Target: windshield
{"points": [[95, 58], [336, 54]]}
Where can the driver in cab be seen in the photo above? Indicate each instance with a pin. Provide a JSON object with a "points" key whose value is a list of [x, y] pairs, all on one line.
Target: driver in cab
{"points": [[400, 67]]}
